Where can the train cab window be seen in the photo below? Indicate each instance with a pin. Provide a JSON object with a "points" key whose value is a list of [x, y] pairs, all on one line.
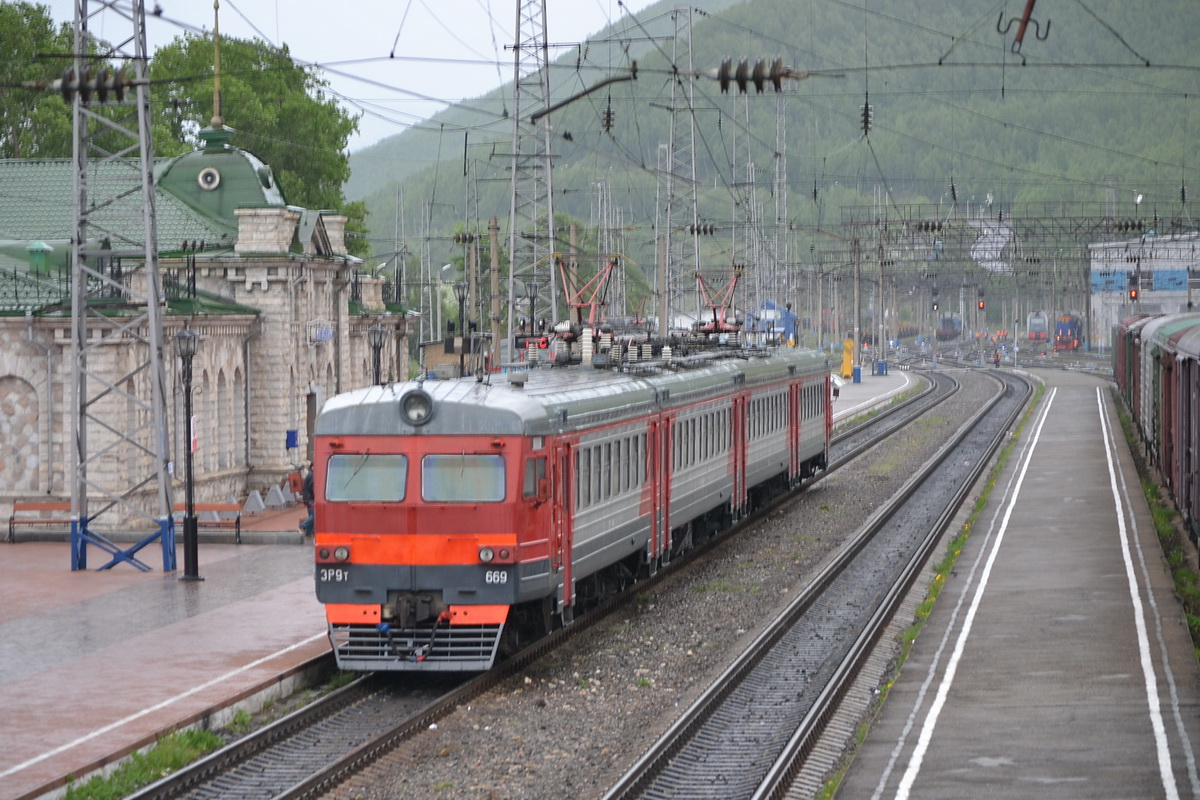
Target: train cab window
{"points": [[535, 477], [365, 477], [462, 478]]}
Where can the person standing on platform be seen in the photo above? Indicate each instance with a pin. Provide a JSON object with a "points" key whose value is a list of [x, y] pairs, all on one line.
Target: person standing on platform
{"points": [[309, 495]]}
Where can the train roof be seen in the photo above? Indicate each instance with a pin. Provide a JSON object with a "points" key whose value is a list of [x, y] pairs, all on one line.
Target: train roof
{"points": [[549, 400], [1167, 331]]}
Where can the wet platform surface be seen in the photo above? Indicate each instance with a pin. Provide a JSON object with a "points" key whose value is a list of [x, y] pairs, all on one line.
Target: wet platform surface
{"points": [[96, 664]]}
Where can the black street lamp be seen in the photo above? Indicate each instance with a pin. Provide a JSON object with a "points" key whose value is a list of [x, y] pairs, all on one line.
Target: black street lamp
{"points": [[460, 292], [375, 336], [531, 290], [186, 343]]}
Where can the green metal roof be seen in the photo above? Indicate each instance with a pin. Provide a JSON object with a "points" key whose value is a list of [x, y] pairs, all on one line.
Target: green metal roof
{"points": [[220, 178], [35, 204]]}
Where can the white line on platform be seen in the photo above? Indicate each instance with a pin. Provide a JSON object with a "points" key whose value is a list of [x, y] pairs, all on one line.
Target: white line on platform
{"points": [[1139, 619], [157, 707], [939, 701]]}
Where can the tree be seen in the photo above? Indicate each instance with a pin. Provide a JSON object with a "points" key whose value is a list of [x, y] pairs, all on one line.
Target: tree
{"points": [[281, 113], [33, 124]]}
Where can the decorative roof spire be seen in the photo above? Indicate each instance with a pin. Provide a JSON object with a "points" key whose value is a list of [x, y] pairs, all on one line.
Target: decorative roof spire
{"points": [[217, 119]]}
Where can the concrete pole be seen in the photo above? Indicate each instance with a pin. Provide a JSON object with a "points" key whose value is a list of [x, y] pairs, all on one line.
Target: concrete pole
{"points": [[494, 235]]}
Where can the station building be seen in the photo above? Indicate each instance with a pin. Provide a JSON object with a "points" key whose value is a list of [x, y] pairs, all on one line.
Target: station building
{"points": [[282, 311]]}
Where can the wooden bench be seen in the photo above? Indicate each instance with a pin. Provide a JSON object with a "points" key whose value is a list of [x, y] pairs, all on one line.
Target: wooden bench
{"points": [[48, 512], [219, 518]]}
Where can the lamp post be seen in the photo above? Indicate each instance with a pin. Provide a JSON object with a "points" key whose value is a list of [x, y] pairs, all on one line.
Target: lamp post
{"points": [[186, 343], [460, 292], [375, 336], [531, 290]]}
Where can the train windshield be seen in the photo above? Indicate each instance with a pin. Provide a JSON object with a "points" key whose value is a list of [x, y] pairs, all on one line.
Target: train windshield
{"points": [[462, 478], [366, 477]]}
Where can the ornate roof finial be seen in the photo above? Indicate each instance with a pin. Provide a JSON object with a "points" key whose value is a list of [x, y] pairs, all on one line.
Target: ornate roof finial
{"points": [[217, 119]]}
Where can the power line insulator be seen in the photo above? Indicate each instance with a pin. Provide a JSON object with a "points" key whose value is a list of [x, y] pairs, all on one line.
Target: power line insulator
{"points": [[103, 84], [777, 74], [868, 116], [606, 119], [725, 74], [742, 76], [759, 75]]}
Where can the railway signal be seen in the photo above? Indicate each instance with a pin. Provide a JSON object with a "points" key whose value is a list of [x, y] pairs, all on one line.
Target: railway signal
{"points": [[981, 305], [935, 305], [1133, 295]]}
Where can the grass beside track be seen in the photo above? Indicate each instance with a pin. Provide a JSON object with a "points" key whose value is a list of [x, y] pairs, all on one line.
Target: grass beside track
{"points": [[176, 750]]}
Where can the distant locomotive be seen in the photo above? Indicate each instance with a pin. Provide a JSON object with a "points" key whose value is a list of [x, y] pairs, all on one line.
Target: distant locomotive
{"points": [[1068, 332], [457, 519], [949, 327], [1038, 326]]}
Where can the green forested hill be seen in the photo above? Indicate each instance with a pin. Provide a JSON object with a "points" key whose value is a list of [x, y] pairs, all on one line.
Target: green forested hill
{"points": [[1104, 106]]}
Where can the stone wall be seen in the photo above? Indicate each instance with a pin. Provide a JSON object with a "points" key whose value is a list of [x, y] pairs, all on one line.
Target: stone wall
{"points": [[255, 377]]}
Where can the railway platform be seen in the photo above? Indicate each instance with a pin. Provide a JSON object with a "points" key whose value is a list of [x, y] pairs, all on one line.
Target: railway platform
{"points": [[1056, 662], [873, 391], [97, 664]]}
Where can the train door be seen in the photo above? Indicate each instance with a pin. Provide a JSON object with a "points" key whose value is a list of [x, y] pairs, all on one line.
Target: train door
{"points": [[563, 511], [658, 459], [795, 424], [1167, 431], [740, 447]]}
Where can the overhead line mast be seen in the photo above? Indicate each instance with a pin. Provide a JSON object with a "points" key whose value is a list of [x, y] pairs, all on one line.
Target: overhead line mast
{"points": [[531, 239], [120, 453]]}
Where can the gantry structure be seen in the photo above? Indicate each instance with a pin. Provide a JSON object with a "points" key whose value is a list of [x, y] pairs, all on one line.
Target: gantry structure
{"points": [[990, 263], [120, 454]]}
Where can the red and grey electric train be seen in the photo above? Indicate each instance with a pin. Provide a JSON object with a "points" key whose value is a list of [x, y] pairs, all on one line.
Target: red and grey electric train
{"points": [[455, 519]]}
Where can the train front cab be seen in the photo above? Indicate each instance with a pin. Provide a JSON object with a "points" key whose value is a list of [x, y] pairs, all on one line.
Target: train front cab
{"points": [[425, 544]]}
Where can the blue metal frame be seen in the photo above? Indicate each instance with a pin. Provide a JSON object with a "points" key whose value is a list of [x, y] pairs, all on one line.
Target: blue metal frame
{"points": [[82, 536]]}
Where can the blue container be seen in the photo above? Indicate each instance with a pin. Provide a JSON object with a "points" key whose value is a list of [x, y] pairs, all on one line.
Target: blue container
{"points": [[883, 368], [857, 373]]}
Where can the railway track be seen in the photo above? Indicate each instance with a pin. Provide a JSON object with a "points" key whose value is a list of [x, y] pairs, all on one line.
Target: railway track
{"points": [[314, 749], [749, 734]]}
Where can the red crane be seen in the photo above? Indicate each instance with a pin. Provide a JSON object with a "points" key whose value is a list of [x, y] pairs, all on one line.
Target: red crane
{"points": [[719, 302]]}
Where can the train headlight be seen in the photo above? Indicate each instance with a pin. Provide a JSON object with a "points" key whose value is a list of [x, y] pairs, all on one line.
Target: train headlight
{"points": [[417, 407], [341, 553], [486, 555]]}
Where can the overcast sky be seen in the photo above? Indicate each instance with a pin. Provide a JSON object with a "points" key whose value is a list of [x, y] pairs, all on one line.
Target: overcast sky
{"points": [[459, 45]]}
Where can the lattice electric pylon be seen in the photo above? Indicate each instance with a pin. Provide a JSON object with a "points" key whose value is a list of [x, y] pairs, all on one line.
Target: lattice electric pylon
{"points": [[120, 453], [531, 222], [682, 240]]}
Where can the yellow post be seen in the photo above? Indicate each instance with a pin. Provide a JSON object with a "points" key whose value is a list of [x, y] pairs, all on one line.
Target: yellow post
{"points": [[848, 358]]}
